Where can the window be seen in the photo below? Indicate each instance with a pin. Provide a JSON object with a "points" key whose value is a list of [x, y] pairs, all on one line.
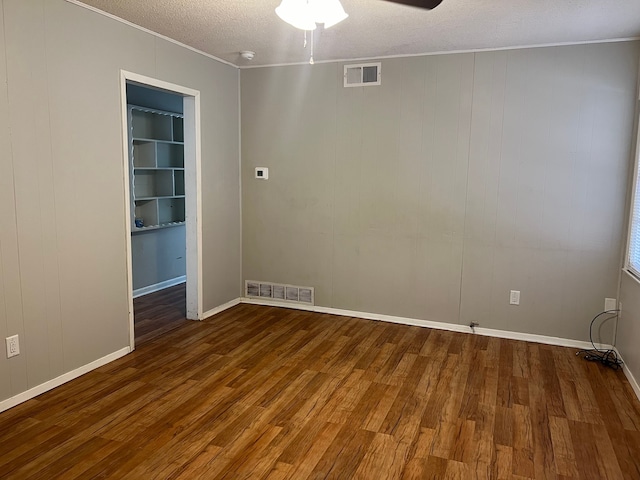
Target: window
{"points": [[633, 258]]}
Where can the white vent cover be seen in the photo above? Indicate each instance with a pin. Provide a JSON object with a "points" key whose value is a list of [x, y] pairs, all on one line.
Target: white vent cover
{"points": [[279, 292], [252, 289], [363, 74]]}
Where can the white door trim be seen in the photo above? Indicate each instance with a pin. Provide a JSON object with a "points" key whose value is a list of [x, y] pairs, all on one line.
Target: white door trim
{"points": [[193, 182]]}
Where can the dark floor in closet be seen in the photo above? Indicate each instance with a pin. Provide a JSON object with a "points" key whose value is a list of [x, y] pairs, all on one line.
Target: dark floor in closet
{"points": [[160, 312]]}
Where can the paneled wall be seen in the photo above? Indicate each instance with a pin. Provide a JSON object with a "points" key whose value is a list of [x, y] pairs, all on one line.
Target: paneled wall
{"points": [[628, 337], [62, 215], [460, 178]]}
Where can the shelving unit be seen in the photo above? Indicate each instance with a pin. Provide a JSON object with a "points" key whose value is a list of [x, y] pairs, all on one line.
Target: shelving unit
{"points": [[156, 153]]}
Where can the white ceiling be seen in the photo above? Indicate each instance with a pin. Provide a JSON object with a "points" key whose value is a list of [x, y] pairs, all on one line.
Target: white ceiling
{"points": [[378, 28]]}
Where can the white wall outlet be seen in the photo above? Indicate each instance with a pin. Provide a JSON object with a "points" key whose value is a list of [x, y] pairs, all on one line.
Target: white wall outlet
{"points": [[13, 346], [514, 297], [262, 173], [610, 304]]}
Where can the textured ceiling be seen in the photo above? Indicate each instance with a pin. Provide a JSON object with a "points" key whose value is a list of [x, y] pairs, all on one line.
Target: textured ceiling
{"points": [[377, 28]]}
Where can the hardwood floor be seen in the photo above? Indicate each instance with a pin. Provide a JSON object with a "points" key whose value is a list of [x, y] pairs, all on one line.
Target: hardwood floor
{"points": [[160, 312], [269, 393]]}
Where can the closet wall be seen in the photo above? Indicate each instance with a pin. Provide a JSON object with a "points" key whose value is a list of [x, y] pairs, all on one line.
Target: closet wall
{"points": [[157, 255]]}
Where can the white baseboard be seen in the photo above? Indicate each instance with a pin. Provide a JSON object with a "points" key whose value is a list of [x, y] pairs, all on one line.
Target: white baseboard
{"points": [[632, 380], [159, 286], [221, 308], [529, 337], [64, 378], [453, 327]]}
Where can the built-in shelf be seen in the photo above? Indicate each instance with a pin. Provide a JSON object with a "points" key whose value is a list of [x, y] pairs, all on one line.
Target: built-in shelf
{"points": [[142, 199], [156, 227], [156, 149]]}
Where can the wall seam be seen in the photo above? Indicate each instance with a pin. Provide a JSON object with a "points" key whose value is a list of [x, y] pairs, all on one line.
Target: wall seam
{"points": [[53, 200], [240, 181], [466, 190], [333, 193]]}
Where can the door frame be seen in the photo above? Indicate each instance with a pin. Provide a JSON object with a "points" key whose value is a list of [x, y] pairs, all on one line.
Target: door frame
{"points": [[193, 193]]}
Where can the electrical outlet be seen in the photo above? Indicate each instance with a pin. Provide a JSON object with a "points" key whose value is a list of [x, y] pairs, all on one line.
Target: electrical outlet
{"points": [[13, 346], [514, 297], [610, 304], [262, 173]]}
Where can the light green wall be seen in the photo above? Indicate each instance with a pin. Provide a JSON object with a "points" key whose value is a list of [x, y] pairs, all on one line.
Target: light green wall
{"points": [[62, 237], [461, 177]]}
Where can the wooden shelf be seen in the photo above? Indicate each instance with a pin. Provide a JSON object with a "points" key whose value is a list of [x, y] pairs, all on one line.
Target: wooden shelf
{"points": [[156, 227], [156, 149], [158, 168], [143, 199], [155, 140]]}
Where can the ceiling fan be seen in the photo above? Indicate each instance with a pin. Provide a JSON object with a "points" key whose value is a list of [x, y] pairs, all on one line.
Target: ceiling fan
{"points": [[305, 14], [428, 4]]}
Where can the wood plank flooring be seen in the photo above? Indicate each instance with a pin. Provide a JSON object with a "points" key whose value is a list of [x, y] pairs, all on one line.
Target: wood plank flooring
{"points": [[160, 312], [270, 393]]}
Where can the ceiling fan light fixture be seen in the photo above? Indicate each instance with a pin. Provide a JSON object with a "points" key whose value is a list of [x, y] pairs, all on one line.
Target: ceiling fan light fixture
{"points": [[305, 14], [296, 13], [328, 12]]}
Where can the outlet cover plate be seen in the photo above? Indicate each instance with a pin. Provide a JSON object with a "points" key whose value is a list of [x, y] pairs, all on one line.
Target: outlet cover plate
{"points": [[514, 297], [610, 304], [13, 346], [262, 173]]}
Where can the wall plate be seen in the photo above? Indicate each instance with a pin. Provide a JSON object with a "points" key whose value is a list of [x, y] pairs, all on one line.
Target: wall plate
{"points": [[13, 346], [262, 173], [514, 297]]}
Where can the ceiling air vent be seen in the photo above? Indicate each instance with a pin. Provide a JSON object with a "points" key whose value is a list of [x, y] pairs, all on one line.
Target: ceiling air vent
{"points": [[363, 74], [279, 292]]}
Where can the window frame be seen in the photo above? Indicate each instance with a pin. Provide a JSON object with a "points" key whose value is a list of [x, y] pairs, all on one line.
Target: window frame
{"points": [[635, 195]]}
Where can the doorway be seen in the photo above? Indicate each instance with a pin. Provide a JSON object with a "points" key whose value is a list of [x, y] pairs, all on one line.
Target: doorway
{"points": [[161, 151]]}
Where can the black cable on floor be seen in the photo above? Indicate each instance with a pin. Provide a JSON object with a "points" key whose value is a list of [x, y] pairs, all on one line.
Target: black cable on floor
{"points": [[608, 357]]}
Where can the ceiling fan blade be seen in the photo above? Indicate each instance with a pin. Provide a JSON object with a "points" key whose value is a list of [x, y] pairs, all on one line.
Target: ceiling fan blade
{"points": [[428, 4]]}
